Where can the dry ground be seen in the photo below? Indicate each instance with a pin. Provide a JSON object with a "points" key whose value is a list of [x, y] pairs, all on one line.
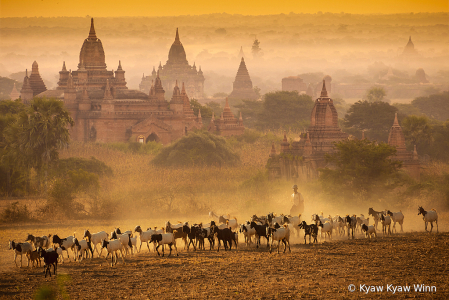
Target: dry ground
{"points": [[320, 271]]}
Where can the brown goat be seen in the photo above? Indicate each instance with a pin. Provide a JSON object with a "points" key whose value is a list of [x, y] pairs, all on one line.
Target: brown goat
{"points": [[34, 256]]}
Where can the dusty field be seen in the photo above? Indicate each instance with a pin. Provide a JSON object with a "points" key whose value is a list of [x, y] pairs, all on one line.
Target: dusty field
{"points": [[321, 271]]}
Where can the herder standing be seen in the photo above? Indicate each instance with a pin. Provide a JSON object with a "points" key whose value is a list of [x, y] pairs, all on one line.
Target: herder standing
{"points": [[298, 202]]}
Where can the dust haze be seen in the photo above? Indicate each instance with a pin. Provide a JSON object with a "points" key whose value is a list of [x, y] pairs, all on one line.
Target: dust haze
{"points": [[351, 48]]}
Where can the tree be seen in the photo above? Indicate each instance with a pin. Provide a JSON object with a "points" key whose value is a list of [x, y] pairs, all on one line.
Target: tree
{"points": [[375, 94], [206, 112], [375, 118], [358, 168], [11, 173], [434, 106], [39, 132], [215, 106], [255, 48], [417, 131], [285, 110]]}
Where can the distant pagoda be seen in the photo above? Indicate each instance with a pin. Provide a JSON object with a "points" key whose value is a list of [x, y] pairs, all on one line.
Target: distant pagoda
{"points": [[410, 162], [14, 93], [227, 124], [409, 50], [243, 86], [177, 69], [35, 80]]}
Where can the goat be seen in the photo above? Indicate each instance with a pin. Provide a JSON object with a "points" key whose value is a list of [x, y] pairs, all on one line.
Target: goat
{"points": [[96, 238], [221, 219], [261, 230], [361, 220], [192, 234], [66, 244], [206, 232], [338, 224], [180, 234], [248, 232], [20, 249], [397, 217], [279, 234], [309, 230], [369, 230], [272, 218], [351, 223], [226, 235], [58, 251], [376, 216], [82, 247], [145, 236], [429, 216], [386, 222], [164, 239], [39, 242], [125, 239], [293, 222], [50, 259], [262, 220], [113, 247], [326, 228], [34, 256]]}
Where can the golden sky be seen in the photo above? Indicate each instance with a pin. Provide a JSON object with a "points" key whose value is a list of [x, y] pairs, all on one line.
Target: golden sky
{"points": [[151, 8]]}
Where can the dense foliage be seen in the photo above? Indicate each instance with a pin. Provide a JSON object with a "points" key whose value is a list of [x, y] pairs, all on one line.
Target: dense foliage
{"points": [[435, 106], [358, 168], [197, 149], [376, 118], [278, 110]]}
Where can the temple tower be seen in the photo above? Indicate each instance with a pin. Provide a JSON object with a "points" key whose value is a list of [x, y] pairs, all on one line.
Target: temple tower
{"points": [[26, 93], [243, 86], [36, 82], [14, 93]]}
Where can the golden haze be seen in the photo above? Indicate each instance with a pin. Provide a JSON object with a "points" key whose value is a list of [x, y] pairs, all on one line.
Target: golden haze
{"points": [[103, 8]]}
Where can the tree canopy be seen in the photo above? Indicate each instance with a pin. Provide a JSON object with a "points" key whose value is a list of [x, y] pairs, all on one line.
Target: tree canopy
{"points": [[376, 94], [278, 110], [435, 106], [358, 167], [376, 118], [197, 149]]}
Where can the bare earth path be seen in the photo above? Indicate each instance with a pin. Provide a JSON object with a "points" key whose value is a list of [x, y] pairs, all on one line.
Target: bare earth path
{"points": [[322, 271]]}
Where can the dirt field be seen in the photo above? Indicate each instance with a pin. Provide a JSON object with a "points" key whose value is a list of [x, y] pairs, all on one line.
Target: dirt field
{"points": [[320, 271]]}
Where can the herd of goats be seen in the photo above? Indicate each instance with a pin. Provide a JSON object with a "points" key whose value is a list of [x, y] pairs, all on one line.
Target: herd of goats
{"points": [[222, 229]]}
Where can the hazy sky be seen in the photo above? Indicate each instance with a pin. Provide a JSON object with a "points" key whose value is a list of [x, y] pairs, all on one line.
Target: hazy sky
{"points": [[107, 8]]}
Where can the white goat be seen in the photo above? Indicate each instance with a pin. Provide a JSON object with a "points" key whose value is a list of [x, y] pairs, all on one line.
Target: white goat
{"points": [[82, 247], [386, 222], [429, 216], [113, 247], [248, 232], [96, 238], [20, 249], [145, 236], [397, 217], [164, 239], [125, 239], [369, 230], [66, 244], [279, 234], [362, 220], [326, 228]]}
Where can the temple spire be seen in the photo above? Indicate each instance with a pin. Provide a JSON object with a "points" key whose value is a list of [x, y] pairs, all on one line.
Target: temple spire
{"points": [[64, 67], [324, 91], [227, 103], [396, 123], [119, 68], [92, 35], [177, 36]]}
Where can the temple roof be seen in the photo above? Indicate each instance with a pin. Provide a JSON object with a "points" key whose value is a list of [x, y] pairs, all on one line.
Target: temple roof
{"points": [[177, 54], [35, 80], [396, 137], [92, 53]]}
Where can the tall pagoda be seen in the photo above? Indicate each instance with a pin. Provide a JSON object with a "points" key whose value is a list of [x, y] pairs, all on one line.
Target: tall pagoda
{"points": [[243, 86]]}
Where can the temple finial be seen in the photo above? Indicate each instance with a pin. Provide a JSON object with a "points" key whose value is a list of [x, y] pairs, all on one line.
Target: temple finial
{"points": [[324, 91], [92, 35], [395, 123], [227, 103], [177, 36]]}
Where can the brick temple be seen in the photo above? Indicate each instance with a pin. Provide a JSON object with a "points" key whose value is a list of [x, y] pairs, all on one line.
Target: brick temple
{"points": [[105, 110], [243, 86], [227, 124], [177, 68]]}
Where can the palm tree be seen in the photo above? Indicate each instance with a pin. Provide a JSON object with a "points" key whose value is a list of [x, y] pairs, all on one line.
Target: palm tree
{"points": [[40, 131]]}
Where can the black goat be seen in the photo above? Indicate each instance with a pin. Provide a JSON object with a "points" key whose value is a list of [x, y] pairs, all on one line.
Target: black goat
{"points": [[226, 235], [309, 230], [261, 230], [50, 258]]}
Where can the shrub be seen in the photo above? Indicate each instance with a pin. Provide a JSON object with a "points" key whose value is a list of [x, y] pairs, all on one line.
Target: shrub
{"points": [[15, 212], [91, 165], [197, 149]]}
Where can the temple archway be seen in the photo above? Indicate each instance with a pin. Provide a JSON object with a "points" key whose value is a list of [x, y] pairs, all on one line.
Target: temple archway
{"points": [[152, 138]]}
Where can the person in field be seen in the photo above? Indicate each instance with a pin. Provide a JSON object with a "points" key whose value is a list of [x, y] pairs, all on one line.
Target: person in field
{"points": [[297, 201]]}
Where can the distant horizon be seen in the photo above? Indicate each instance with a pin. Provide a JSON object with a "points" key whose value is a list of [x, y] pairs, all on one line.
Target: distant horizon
{"points": [[231, 14], [175, 8]]}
